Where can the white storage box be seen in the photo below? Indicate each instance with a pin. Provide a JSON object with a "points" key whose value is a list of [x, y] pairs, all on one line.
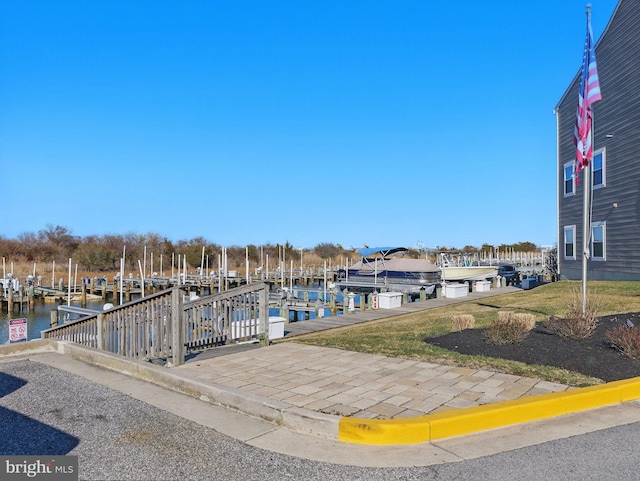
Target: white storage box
{"points": [[276, 327], [249, 328], [483, 286], [389, 300], [456, 290]]}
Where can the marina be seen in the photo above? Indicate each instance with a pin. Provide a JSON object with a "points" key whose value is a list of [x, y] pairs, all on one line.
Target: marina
{"points": [[294, 294]]}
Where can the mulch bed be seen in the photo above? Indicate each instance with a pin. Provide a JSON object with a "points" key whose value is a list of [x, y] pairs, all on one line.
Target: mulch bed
{"points": [[592, 356]]}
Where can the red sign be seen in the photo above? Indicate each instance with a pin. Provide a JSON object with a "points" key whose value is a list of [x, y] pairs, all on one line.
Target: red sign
{"points": [[17, 330]]}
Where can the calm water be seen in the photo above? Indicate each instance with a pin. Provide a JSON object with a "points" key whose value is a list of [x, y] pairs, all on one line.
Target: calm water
{"points": [[37, 320]]}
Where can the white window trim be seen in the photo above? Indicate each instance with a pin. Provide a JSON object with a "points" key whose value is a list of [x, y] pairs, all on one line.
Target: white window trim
{"points": [[564, 242], [602, 224], [604, 168], [571, 165]]}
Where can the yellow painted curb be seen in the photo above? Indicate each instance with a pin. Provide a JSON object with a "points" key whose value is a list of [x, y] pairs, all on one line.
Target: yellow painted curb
{"points": [[458, 422]]}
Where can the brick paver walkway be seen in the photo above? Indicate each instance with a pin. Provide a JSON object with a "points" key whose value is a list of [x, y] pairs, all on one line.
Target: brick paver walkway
{"points": [[349, 383]]}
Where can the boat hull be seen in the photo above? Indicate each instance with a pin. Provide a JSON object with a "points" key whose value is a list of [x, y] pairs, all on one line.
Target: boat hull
{"points": [[407, 283], [468, 273]]}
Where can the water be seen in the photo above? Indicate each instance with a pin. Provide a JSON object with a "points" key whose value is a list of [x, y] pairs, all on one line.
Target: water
{"points": [[38, 319]]}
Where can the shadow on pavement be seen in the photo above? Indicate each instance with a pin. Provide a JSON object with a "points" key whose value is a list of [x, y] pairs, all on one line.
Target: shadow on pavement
{"points": [[22, 435]]}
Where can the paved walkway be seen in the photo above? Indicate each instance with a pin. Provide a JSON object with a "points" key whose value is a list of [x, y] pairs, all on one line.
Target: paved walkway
{"points": [[346, 383]]}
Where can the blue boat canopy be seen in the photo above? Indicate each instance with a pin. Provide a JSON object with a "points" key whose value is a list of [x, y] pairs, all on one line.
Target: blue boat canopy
{"points": [[383, 251]]}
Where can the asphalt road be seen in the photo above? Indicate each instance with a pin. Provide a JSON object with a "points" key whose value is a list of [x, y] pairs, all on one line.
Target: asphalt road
{"points": [[44, 410]]}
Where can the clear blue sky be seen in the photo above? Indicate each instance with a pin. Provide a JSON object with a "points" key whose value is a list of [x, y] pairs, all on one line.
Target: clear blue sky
{"points": [[244, 122]]}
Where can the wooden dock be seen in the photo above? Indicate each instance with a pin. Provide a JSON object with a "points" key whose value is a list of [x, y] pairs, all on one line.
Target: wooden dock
{"points": [[293, 329]]}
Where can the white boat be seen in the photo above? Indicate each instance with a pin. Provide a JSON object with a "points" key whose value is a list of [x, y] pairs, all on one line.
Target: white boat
{"points": [[385, 269], [460, 268]]}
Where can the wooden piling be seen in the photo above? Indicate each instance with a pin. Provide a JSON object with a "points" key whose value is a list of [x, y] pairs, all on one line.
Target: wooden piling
{"points": [[332, 304]]}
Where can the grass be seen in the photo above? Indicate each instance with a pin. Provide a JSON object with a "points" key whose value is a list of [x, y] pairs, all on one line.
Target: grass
{"points": [[403, 336]]}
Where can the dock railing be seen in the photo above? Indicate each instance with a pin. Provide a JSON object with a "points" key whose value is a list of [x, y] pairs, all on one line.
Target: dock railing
{"points": [[165, 326]]}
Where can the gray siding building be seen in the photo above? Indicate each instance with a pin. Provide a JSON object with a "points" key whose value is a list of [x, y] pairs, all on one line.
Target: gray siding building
{"points": [[614, 245]]}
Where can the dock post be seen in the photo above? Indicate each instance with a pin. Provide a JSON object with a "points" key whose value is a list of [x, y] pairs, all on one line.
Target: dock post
{"points": [[32, 298], [10, 300], [363, 301], [54, 317], [83, 301], [423, 295], [332, 303]]}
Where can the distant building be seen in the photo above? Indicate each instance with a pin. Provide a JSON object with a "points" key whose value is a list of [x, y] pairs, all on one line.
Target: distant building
{"points": [[614, 245]]}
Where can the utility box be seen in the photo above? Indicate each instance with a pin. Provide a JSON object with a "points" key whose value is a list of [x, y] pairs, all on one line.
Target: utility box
{"points": [[456, 290], [529, 283], [483, 286], [389, 300]]}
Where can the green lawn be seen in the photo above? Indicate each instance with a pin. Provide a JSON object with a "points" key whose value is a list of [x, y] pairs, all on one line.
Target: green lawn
{"points": [[402, 336]]}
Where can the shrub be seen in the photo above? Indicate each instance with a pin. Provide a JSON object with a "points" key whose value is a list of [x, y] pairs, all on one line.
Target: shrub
{"points": [[626, 339], [462, 322], [508, 328], [576, 324], [527, 320]]}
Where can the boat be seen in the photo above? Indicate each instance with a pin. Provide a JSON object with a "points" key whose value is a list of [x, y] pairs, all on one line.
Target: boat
{"points": [[461, 268], [386, 269]]}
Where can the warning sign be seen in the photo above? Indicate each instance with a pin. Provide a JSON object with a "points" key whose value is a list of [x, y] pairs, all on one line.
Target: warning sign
{"points": [[17, 330]]}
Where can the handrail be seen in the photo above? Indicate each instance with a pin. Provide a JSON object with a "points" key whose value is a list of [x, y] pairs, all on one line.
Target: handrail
{"points": [[163, 325]]}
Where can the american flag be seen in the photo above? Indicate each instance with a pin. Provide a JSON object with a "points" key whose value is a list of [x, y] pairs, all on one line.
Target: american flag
{"points": [[589, 93]]}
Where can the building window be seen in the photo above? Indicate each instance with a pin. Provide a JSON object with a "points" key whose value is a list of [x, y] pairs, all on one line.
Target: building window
{"points": [[598, 241], [570, 242], [598, 169], [569, 168]]}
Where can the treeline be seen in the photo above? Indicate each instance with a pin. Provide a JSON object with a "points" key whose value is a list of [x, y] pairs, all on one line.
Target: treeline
{"points": [[102, 253]]}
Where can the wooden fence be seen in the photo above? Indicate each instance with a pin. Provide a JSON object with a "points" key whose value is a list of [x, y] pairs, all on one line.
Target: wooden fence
{"points": [[165, 325]]}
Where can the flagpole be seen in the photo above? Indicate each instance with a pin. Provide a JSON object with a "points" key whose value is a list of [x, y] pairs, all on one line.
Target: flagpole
{"points": [[585, 201], [586, 228]]}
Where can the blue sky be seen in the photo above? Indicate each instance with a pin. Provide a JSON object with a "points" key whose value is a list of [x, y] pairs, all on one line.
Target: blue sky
{"points": [[244, 122]]}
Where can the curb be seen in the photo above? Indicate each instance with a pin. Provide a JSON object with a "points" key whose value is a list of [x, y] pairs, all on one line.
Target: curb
{"points": [[463, 421]]}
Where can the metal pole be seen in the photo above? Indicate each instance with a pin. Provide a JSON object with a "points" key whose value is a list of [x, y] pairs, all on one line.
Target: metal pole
{"points": [[586, 233]]}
